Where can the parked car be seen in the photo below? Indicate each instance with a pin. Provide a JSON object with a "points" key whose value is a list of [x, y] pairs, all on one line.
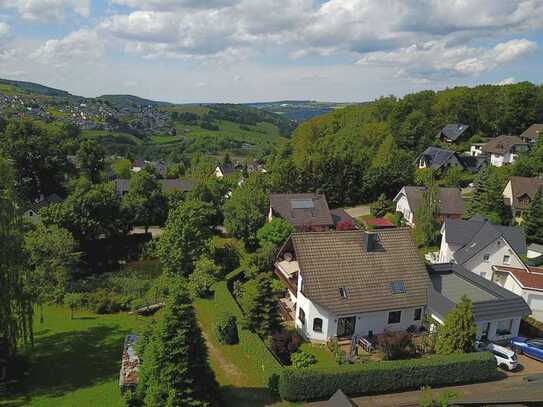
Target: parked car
{"points": [[530, 347], [505, 358]]}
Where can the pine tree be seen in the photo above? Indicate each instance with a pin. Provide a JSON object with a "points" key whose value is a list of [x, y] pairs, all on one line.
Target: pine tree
{"points": [[474, 204], [533, 219], [458, 333], [175, 369], [262, 316]]}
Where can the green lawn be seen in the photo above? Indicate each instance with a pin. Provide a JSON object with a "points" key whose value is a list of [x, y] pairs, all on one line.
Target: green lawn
{"points": [[74, 362], [243, 369], [113, 136], [164, 139]]}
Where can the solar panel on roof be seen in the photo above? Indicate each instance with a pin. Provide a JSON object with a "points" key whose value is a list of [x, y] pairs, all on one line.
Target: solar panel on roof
{"points": [[302, 203], [397, 287]]}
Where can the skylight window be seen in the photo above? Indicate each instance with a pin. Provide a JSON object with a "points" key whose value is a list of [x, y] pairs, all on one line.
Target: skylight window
{"points": [[302, 204], [397, 287], [343, 292]]}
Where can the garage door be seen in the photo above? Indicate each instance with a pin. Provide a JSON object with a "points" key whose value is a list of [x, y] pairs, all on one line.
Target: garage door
{"points": [[535, 302]]}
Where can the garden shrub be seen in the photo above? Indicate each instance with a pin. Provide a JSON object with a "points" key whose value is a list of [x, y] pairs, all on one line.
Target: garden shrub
{"points": [[531, 327], [302, 360], [386, 376], [201, 284], [397, 345], [284, 344], [226, 329]]}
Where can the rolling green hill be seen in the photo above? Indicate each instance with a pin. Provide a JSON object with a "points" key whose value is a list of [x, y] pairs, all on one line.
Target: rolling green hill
{"points": [[10, 88]]}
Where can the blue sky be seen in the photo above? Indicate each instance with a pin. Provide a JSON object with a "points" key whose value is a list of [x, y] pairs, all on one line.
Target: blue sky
{"points": [[251, 50]]}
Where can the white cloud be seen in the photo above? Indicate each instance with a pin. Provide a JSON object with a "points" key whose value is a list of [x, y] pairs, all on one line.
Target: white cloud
{"points": [[435, 58], [507, 81], [46, 10], [4, 29], [83, 46], [174, 4]]}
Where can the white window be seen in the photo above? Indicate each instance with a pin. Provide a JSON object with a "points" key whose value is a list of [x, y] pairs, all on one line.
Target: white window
{"points": [[486, 257], [506, 259]]}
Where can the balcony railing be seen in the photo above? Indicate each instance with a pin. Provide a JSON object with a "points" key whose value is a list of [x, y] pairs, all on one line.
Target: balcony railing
{"points": [[291, 284]]}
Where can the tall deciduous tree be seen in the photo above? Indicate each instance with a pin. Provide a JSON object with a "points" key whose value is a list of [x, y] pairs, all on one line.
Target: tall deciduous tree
{"points": [[90, 211], [175, 370], [39, 157], [51, 256], [91, 158], [185, 237], [144, 201], [245, 212], [458, 333], [16, 301], [426, 226], [533, 219], [274, 232]]}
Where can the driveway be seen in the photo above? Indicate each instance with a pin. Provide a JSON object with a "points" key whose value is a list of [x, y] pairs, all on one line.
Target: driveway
{"points": [[507, 381], [358, 211]]}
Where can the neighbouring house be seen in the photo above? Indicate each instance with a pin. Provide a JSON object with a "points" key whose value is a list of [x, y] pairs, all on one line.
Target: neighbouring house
{"points": [[526, 282], [532, 133], [497, 311], [225, 170], [534, 251], [409, 200], [32, 211], [345, 283], [454, 132], [519, 193], [478, 245], [138, 165], [306, 212], [339, 399], [476, 149], [122, 185], [504, 150], [437, 159], [472, 163], [130, 363]]}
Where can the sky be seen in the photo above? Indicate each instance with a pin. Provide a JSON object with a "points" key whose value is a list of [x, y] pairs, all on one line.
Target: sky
{"points": [[254, 50]]}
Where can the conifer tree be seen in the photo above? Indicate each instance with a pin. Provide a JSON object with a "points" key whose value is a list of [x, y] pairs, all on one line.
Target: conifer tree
{"points": [[262, 316], [474, 204], [533, 219], [458, 333], [175, 369], [426, 226]]}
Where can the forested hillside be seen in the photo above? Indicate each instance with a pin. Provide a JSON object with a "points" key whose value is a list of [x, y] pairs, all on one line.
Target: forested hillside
{"points": [[354, 154]]}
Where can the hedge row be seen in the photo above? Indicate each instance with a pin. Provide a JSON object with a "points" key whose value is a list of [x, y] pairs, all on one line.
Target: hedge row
{"points": [[386, 376]]}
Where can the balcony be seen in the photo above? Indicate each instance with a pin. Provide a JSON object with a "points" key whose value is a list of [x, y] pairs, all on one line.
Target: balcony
{"points": [[287, 272]]}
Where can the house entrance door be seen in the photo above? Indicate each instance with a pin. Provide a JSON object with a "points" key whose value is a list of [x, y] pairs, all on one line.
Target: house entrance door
{"points": [[486, 329], [345, 327]]}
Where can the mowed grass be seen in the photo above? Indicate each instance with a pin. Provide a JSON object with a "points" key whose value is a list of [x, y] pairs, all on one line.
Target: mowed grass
{"points": [[243, 369], [164, 139], [74, 362]]}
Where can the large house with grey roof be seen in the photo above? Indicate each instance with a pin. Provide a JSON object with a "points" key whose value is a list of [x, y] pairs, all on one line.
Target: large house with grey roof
{"points": [[345, 283], [437, 159], [455, 132], [504, 150], [532, 133], [478, 245], [410, 198], [497, 311]]}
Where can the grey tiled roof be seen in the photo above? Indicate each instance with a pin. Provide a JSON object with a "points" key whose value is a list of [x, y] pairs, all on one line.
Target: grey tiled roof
{"points": [[533, 132], [453, 131], [489, 300], [524, 186], [332, 260], [436, 157], [285, 206], [502, 144], [476, 234]]}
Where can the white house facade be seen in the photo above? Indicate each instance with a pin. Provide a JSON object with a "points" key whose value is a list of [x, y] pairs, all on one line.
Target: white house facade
{"points": [[362, 291], [526, 282]]}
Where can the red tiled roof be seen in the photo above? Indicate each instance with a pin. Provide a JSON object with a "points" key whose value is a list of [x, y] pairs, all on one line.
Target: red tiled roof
{"points": [[379, 222], [532, 279]]}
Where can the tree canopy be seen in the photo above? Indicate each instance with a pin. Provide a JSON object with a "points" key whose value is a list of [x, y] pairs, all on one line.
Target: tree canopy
{"points": [[458, 333]]}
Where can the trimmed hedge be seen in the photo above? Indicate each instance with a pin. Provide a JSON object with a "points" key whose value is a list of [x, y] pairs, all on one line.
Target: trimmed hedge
{"points": [[386, 376]]}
